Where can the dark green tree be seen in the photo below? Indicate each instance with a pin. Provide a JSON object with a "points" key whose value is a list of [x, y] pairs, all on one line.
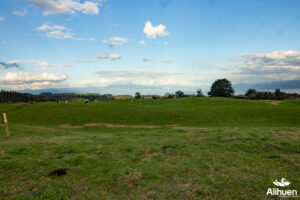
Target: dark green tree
{"points": [[250, 92], [179, 94], [278, 93], [221, 88], [137, 95], [199, 93], [169, 96]]}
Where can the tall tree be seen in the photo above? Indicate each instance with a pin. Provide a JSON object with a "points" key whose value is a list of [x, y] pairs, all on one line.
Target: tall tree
{"points": [[250, 92], [221, 88], [179, 94], [137, 95], [199, 93]]}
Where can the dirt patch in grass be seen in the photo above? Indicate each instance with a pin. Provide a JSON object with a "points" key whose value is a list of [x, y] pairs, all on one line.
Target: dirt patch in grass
{"points": [[132, 126], [119, 126], [133, 178], [186, 127], [68, 126], [37, 127], [273, 103], [183, 186], [291, 134]]}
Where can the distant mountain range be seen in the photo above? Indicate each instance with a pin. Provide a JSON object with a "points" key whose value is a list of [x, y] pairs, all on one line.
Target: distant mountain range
{"points": [[124, 89], [130, 89]]}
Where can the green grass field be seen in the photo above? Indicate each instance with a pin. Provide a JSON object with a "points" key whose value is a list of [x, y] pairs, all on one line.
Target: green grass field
{"points": [[219, 149], [202, 112]]}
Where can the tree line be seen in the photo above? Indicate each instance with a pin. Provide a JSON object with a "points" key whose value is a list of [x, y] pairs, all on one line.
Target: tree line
{"points": [[276, 95], [15, 97], [223, 88]]}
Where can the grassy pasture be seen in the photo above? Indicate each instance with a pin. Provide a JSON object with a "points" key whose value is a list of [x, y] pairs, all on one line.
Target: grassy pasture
{"points": [[238, 150], [203, 112]]}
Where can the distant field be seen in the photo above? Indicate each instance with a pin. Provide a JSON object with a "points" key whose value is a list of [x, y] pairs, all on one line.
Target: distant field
{"points": [[203, 112], [219, 149]]}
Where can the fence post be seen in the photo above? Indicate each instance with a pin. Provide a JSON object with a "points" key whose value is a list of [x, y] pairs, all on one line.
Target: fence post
{"points": [[6, 125]]}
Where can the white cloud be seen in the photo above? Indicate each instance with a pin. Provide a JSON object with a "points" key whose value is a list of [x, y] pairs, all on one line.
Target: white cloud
{"points": [[66, 6], [154, 31], [57, 32], [109, 56], [101, 82], [166, 61], [144, 82], [46, 27], [142, 42], [147, 59], [116, 41], [273, 66], [275, 58], [86, 61], [146, 78], [47, 66], [2, 19], [43, 64], [136, 74], [22, 61], [20, 13], [23, 80]]}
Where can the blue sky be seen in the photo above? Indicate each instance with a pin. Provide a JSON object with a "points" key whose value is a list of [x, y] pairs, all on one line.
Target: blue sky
{"points": [[184, 44]]}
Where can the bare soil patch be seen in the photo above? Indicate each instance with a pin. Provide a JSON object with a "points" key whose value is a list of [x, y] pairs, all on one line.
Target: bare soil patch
{"points": [[132, 126], [274, 103], [132, 178], [186, 127], [119, 126], [68, 126]]}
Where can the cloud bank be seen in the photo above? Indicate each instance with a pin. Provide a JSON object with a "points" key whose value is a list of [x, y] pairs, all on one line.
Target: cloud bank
{"points": [[273, 66], [66, 6], [43, 64], [137, 77], [33, 81]]}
